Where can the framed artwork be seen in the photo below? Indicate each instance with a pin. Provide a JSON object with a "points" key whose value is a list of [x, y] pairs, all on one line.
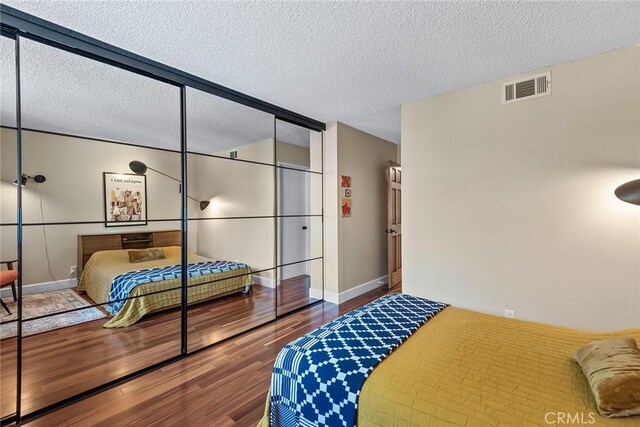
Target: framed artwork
{"points": [[346, 207], [347, 192], [345, 181], [125, 199]]}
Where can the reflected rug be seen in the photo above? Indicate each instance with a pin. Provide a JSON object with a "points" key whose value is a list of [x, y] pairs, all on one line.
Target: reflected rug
{"points": [[46, 303]]}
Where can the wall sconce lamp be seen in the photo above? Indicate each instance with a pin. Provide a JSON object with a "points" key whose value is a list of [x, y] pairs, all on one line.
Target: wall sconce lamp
{"points": [[25, 178], [140, 168], [629, 192]]}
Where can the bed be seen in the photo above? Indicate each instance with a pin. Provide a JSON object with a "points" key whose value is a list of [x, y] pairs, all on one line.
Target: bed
{"points": [[466, 368], [103, 266]]}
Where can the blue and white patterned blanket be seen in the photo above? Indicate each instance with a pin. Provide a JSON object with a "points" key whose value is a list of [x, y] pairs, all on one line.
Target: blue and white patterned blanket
{"points": [[317, 379], [124, 283]]}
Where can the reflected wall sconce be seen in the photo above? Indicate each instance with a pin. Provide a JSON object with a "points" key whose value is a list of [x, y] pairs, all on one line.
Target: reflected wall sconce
{"points": [[25, 178], [140, 168], [629, 192]]}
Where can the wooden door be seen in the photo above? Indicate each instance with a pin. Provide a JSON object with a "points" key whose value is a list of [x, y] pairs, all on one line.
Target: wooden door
{"points": [[394, 223]]}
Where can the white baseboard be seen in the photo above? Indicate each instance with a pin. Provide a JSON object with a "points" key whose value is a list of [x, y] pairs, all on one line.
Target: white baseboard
{"points": [[38, 288], [339, 298], [264, 281]]}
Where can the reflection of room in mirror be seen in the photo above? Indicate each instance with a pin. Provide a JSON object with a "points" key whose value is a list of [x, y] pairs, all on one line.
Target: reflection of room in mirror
{"points": [[299, 146], [305, 286], [219, 127], [69, 94], [102, 256]]}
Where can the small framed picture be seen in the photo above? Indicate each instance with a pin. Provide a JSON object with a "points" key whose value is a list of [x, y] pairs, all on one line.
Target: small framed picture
{"points": [[347, 192], [125, 199], [345, 181], [346, 207]]}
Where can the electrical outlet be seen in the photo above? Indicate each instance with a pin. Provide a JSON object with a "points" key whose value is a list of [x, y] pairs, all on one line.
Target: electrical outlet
{"points": [[509, 314], [73, 271]]}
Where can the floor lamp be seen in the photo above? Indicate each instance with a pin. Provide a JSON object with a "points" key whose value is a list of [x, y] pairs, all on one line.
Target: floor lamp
{"points": [[140, 168]]}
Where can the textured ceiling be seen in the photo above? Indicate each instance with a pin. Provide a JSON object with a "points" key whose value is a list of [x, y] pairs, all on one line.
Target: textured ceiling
{"points": [[355, 62]]}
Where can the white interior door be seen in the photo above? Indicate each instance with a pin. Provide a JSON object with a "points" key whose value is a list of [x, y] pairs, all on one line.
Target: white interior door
{"points": [[294, 230]]}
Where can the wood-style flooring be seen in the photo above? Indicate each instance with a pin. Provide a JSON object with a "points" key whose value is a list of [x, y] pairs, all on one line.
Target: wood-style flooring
{"points": [[223, 385], [294, 293], [67, 361]]}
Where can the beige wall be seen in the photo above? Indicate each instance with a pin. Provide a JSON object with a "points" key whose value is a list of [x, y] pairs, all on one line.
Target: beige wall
{"points": [[262, 151], [73, 191], [512, 206], [293, 154], [235, 189], [259, 151], [360, 255], [238, 189]]}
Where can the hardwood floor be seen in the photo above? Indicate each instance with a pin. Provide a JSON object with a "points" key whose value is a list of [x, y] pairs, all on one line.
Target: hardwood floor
{"points": [[293, 294], [220, 386], [67, 361]]}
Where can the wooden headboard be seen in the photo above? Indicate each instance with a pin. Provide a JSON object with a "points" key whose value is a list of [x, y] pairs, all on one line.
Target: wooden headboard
{"points": [[90, 243]]}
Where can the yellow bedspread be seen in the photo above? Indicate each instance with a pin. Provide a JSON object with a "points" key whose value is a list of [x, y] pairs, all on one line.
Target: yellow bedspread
{"points": [[104, 266], [465, 368]]}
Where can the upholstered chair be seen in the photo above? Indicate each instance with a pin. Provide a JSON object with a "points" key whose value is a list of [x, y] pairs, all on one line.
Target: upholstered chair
{"points": [[9, 277]]}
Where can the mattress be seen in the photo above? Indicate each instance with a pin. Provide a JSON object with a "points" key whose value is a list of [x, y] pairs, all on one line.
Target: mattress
{"points": [[464, 368], [104, 266]]}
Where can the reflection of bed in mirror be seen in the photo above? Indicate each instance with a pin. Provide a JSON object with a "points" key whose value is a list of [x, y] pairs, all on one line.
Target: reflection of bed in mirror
{"points": [[132, 290]]}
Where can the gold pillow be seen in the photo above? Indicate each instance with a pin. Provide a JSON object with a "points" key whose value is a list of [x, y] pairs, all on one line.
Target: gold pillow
{"points": [[146, 255], [612, 368]]}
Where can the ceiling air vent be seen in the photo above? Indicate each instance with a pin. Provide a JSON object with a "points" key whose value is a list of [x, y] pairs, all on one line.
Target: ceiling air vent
{"points": [[233, 154], [526, 88]]}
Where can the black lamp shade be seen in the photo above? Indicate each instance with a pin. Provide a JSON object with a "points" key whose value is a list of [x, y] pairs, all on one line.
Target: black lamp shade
{"points": [[25, 178], [204, 204], [629, 192], [137, 167]]}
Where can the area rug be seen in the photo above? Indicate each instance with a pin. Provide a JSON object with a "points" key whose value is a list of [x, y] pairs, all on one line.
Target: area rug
{"points": [[47, 303]]}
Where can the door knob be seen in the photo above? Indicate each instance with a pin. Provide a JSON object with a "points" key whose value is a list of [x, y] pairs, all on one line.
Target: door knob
{"points": [[304, 227], [390, 230]]}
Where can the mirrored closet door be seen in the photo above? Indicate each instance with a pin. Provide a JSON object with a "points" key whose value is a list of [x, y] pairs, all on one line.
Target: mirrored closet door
{"points": [[101, 211], [231, 174], [145, 219], [299, 206]]}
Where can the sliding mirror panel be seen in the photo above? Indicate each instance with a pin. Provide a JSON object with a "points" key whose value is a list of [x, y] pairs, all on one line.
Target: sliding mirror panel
{"points": [[299, 207], [8, 229], [231, 179], [102, 209]]}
